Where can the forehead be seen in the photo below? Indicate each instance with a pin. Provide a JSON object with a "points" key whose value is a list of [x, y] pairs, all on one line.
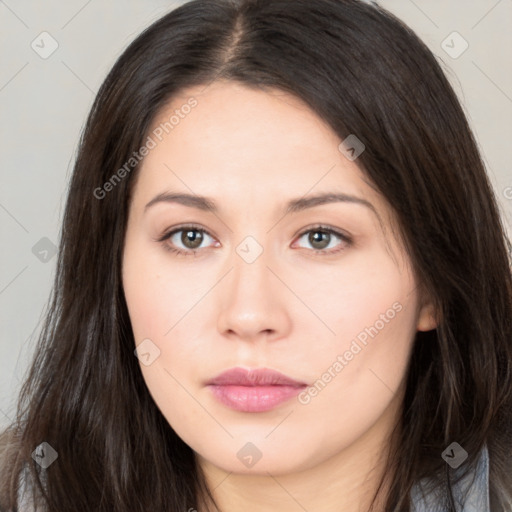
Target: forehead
{"points": [[230, 119], [241, 139]]}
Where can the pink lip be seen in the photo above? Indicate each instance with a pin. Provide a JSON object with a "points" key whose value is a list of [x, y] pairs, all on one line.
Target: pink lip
{"points": [[254, 390]]}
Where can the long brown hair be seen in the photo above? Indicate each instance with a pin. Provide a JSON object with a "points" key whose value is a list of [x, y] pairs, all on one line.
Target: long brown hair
{"points": [[363, 72]]}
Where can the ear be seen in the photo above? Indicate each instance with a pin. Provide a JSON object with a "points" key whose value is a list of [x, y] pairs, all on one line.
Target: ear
{"points": [[427, 317]]}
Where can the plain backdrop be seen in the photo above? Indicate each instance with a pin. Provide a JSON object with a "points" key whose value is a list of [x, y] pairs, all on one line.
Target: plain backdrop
{"points": [[54, 56]]}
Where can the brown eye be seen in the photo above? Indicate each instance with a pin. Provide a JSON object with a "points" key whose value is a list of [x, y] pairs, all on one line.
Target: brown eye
{"points": [[194, 237], [318, 239], [323, 240], [186, 240]]}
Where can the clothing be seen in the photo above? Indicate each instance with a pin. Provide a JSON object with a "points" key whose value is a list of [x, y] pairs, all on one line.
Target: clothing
{"points": [[477, 498]]}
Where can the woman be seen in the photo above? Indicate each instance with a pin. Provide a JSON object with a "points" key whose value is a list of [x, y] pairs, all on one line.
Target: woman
{"points": [[273, 371]]}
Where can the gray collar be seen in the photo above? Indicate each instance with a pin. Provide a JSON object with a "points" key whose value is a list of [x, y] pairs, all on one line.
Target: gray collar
{"points": [[471, 493]]}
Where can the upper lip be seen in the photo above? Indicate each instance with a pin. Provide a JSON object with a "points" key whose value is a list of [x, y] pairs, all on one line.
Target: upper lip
{"points": [[257, 377]]}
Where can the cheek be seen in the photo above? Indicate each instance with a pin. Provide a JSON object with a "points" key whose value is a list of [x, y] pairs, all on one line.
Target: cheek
{"points": [[151, 305], [371, 311], [164, 304], [158, 302], [370, 299], [157, 296]]}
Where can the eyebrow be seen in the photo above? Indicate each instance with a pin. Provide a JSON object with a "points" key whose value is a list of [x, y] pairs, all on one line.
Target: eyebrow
{"points": [[293, 206]]}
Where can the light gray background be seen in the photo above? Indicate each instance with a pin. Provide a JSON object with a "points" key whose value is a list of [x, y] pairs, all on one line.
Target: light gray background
{"points": [[44, 103]]}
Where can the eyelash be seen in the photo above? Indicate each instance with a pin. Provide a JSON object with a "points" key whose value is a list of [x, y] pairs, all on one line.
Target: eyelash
{"points": [[191, 252]]}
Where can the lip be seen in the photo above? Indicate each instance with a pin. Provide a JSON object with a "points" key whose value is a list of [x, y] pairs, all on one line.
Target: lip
{"points": [[255, 390]]}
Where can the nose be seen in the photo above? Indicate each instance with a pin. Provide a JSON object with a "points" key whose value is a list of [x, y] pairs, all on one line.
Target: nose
{"points": [[252, 301]]}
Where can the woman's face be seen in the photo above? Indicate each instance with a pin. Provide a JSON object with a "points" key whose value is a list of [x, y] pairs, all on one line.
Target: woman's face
{"points": [[265, 286]]}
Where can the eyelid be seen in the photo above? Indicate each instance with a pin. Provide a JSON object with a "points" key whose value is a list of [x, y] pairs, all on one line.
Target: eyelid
{"points": [[327, 229], [171, 231]]}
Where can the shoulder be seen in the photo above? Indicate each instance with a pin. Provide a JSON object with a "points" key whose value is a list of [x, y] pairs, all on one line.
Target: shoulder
{"points": [[471, 493]]}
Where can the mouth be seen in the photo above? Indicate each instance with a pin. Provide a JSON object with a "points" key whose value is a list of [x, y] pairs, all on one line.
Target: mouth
{"points": [[254, 390]]}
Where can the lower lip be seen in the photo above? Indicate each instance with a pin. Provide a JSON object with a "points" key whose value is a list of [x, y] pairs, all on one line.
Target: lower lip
{"points": [[254, 398]]}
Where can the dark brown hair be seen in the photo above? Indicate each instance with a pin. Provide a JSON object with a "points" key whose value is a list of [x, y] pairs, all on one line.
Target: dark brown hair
{"points": [[363, 72]]}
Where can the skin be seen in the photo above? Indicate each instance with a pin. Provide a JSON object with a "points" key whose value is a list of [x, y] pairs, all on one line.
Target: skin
{"points": [[290, 310]]}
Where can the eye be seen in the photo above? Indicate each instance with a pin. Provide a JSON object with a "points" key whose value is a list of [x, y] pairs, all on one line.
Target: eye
{"points": [[320, 237], [191, 238]]}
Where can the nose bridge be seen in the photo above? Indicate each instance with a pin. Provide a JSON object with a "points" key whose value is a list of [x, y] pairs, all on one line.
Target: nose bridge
{"points": [[252, 251], [251, 260], [251, 302]]}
